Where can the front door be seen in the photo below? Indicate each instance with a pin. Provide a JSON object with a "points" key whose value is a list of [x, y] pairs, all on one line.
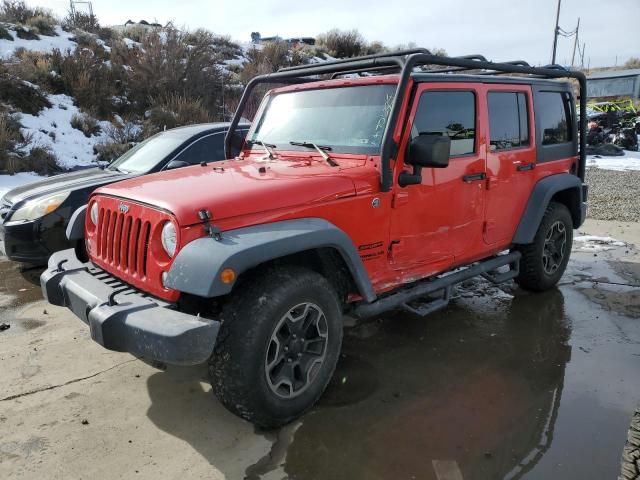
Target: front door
{"points": [[440, 221], [511, 159]]}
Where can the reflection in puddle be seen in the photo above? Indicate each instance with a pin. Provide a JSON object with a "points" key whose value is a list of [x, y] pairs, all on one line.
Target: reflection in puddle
{"points": [[479, 388]]}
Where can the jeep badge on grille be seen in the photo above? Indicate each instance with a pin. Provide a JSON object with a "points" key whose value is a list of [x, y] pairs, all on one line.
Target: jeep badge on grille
{"points": [[123, 208]]}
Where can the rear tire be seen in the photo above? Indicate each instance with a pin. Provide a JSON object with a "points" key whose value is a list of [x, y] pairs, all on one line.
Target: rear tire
{"points": [[545, 259], [630, 465], [278, 345]]}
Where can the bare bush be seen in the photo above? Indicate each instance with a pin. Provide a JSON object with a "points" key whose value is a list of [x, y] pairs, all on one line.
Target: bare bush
{"points": [[17, 11], [172, 110], [86, 124], [21, 95], [9, 137], [88, 79], [342, 44], [167, 64], [34, 67], [109, 151], [4, 34], [633, 62], [81, 21], [43, 24], [26, 33]]}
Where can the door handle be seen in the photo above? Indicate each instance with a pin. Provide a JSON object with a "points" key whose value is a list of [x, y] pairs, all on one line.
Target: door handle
{"points": [[526, 166], [474, 176]]}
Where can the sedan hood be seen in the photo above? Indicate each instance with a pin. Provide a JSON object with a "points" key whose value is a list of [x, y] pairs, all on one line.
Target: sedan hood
{"points": [[63, 183], [234, 188]]}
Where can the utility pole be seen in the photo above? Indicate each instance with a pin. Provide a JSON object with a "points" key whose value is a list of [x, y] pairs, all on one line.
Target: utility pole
{"points": [[555, 35], [575, 44]]}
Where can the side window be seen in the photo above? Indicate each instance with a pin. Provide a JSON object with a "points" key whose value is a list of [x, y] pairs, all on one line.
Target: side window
{"points": [[205, 149], [554, 111], [451, 114], [508, 120]]}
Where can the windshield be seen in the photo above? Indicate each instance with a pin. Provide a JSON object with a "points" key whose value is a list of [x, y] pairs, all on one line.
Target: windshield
{"points": [[345, 119], [146, 155]]}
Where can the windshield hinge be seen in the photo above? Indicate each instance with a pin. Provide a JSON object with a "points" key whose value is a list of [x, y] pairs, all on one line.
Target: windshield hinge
{"points": [[209, 228]]}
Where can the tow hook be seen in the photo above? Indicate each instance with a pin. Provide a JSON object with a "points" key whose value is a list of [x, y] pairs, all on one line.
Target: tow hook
{"points": [[209, 228]]}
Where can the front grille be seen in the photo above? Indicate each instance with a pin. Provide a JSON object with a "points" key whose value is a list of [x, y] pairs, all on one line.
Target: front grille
{"points": [[122, 241]]}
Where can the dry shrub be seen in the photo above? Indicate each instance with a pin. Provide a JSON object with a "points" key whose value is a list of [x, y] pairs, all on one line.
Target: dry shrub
{"points": [[40, 160], [81, 21], [34, 67], [172, 110], [167, 65], [341, 44], [17, 11], [109, 151], [9, 137], [22, 96], [86, 124], [88, 79], [43, 24], [633, 62], [26, 33], [4, 34]]}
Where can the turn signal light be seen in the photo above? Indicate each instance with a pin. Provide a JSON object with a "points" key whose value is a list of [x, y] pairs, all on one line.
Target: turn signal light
{"points": [[227, 275]]}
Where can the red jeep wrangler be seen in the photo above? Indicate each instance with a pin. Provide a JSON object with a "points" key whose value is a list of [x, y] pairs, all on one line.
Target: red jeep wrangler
{"points": [[352, 195]]}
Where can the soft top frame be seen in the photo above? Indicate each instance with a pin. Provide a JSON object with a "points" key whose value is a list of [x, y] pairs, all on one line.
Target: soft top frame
{"points": [[404, 62]]}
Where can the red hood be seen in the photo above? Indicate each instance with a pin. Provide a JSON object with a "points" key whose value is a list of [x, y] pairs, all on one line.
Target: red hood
{"points": [[239, 187]]}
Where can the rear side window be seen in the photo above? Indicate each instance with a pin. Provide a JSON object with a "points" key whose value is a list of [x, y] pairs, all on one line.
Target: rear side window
{"points": [[508, 120], [205, 149], [451, 114], [554, 112]]}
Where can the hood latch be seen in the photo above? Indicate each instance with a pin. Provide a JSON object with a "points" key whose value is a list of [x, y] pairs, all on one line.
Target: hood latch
{"points": [[209, 228]]}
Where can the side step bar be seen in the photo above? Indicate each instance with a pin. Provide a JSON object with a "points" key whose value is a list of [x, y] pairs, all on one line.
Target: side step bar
{"points": [[441, 285]]}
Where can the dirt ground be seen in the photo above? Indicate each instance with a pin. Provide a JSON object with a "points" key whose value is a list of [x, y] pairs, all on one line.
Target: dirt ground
{"points": [[500, 384]]}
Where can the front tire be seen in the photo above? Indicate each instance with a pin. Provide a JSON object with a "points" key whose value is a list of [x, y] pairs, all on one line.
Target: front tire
{"points": [[278, 345], [544, 261]]}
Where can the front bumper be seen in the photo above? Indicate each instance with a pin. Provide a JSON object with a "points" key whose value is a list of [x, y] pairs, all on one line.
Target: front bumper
{"points": [[123, 319], [21, 243]]}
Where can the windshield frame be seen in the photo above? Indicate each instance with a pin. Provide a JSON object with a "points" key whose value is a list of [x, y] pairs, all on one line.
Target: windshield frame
{"points": [[252, 146]]}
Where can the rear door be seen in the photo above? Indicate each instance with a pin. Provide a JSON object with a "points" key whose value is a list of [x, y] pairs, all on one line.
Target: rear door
{"points": [[511, 158], [440, 220]]}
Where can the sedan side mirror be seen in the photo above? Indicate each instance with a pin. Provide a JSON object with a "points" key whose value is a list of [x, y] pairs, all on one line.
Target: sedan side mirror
{"points": [[173, 164], [425, 151], [429, 151]]}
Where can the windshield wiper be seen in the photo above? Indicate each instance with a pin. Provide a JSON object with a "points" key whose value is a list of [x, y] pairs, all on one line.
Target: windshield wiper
{"points": [[267, 146], [320, 148]]}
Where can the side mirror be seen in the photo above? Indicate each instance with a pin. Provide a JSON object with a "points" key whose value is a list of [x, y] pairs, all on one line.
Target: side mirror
{"points": [[173, 164], [429, 151], [425, 151]]}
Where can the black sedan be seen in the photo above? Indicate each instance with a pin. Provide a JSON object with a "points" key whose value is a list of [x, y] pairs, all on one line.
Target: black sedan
{"points": [[34, 218]]}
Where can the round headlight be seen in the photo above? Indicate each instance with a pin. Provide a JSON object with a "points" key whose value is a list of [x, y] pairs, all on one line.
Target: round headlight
{"points": [[169, 238], [94, 214]]}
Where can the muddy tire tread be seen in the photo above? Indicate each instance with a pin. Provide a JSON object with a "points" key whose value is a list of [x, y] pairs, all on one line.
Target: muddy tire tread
{"points": [[630, 464], [228, 372]]}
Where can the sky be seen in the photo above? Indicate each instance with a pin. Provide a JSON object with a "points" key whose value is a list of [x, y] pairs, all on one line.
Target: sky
{"points": [[501, 30]]}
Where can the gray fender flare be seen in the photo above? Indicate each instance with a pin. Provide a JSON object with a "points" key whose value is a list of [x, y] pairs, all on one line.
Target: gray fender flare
{"points": [[196, 269], [75, 228], [539, 199]]}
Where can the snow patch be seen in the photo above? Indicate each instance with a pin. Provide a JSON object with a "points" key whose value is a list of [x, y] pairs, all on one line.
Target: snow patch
{"points": [[52, 129], [9, 182], [594, 243], [45, 44], [630, 161]]}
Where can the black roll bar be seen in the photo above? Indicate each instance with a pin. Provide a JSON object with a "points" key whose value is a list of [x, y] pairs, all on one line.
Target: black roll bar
{"points": [[406, 61]]}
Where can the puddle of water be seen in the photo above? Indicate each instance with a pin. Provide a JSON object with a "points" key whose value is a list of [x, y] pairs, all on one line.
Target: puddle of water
{"points": [[19, 288]]}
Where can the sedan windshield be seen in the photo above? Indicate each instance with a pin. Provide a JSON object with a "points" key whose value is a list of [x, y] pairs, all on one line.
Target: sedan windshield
{"points": [[146, 155], [345, 119]]}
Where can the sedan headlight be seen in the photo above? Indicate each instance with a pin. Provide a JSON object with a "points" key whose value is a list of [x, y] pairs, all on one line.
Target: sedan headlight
{"points": [[35, 209], [169, 238]]}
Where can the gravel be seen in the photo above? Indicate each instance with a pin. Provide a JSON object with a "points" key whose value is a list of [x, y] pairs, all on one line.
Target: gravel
{"points": [[613, 195]]}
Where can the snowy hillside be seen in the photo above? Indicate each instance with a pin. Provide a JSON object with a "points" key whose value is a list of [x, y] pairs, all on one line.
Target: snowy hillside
{"points": [[45, 44]]}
